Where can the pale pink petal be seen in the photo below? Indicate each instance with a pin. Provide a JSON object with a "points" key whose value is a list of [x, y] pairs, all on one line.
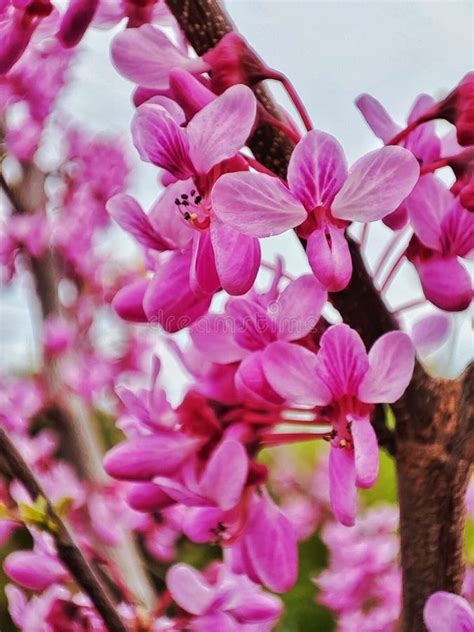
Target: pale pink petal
{"points": [[426, 205], [253, 327], [270, 543], [366, 452], [391, 363], [423, 141], [128, 302], [377, 117], [329, 257], [142, 458], [145, 56], [430, 332], [203, 274], [377, 184], [213, 336], [291, 370], [237, 258], [317, 169], [257, 607], [221, 128], [130, 216], [218, 622], [17, 604], [342, 360], [342, 489], [252, 383], [298, 308], [225, 474], [161, 141], [180, 492], [166, 219], [446, 612], [256, 204], [446, 283], [189, 589]]}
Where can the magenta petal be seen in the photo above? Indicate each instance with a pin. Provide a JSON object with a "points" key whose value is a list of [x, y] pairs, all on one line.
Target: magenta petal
{"points": [[298, 308], [180, 493], [130, 216], [161, 141], [317, 169], [34, 571], [253, 326], [446, 283], [203, 274], [446, 612], [213, 336], [377, 184], [200, 523], [221, 128], [457, 231], [75, 21], [252, 383], [14, 38], [128, 302], [145, 56], [256, 204], [291, 370], [237, 258], [342, 360], [217, 622], [270, 544], [142, 458], [166, 220], [426, 207], [377, 117], [226, 472], [189, 589], [147, 497], [391, 363], [329, 257], [366, 452], [342, 489]]}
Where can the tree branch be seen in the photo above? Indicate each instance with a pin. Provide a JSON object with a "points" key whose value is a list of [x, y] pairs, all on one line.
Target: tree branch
{"points": [[68, 552]]}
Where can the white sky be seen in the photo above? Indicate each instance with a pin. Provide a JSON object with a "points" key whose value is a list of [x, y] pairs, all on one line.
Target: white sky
{"points": [[332, 51]]}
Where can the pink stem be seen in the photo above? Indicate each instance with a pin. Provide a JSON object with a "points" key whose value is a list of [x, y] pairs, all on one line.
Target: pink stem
{"points": [[364, 235], [393, 243], [280, 125], [415, 303], [282, 438], [393, 271], [294, 96], [258, 165]]}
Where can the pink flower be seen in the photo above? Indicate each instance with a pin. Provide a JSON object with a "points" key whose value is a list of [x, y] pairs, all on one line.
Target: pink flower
{"points": [[444, 231], [321, 198], [75, 21], [196, 156], [343, 378], [221, 601], [251, 323], [446, 612]]}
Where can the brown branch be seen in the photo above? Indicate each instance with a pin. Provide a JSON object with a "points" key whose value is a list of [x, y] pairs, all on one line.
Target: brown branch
{"points": [[68, 551], [421, 442]]}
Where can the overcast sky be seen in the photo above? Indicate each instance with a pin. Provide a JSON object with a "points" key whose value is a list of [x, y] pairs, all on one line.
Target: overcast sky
{"points": [[332, 51]]}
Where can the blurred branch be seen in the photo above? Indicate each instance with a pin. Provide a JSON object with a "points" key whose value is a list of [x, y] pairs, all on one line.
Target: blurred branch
{"points": [[68, 551]]}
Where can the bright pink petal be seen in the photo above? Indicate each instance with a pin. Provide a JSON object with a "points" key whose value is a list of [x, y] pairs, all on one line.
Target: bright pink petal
{"points": [[391, 363], [180, 492], [200, 523], [75, 21], [426, 206], [130, 216], [203, 274], [142, 458], [423, 141], [189, 92], [430, 332], [366, 452], [342, 485], [270, 543], [329, 257], [457, 231], [213, 336], [145, 56], [446, 283], [237, 258], [342, 360], [298, 308], [189, 589], [256, 204], [161, 141], [291, 370], [34, 571], [221, 128], [253, 328], [317, 169], [252, 383], [225, 474], [15, 36], [128, 302], [446, 612], [147, 497], [377, 184], [377, 117]]}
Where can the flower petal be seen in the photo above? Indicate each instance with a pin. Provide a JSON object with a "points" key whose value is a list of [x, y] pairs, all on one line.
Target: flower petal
{"points": [[426, 205], [237, 258], [446, 283], [377, 118], [221, 128], [203, 274], [366, 452], [226, 472], [128, 302], [252, 383], [377, 184], [298, 308], [34, 571], [317, 169], [446, 612], [342, 489], [253, 327], [430, 332], [391, 363], [329, 257], [256, 204], [167, 221], [189, 588], [213, 336], [291, 370]]}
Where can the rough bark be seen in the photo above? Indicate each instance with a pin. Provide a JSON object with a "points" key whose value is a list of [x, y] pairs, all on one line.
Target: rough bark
{"points": [[433, 441]]}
